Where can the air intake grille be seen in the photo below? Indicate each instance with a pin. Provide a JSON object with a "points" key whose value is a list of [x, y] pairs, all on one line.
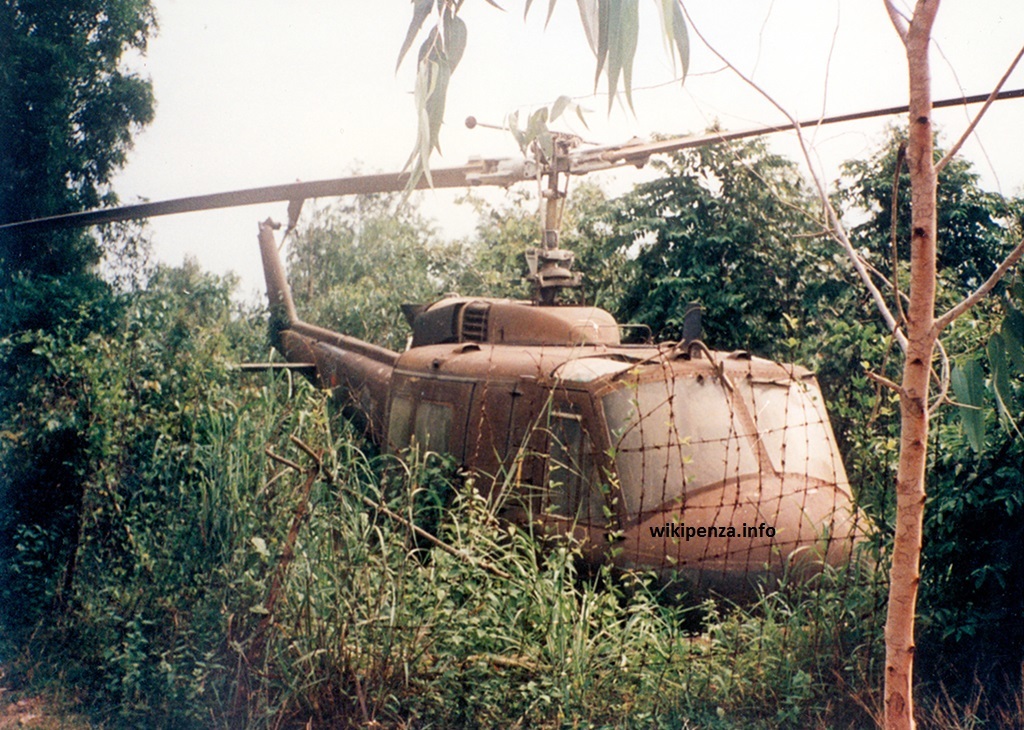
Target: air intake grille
{"points": [[474, 322]]}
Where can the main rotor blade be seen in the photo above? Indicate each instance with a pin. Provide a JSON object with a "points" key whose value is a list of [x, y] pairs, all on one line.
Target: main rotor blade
{"points": [[501, 172], [454, 177], [599, 158]]}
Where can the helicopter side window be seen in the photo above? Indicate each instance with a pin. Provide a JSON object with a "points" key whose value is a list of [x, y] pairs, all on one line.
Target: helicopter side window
{"points": [[429, 422], [572, 486], [400, 423], [433, 426]]}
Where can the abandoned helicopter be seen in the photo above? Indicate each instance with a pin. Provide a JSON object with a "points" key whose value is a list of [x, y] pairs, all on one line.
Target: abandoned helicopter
{"points": [[714, 469]]}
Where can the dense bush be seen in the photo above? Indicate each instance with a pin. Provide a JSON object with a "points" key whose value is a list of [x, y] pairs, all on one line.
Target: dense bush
{"points": [[209, 584], [190, 546]]}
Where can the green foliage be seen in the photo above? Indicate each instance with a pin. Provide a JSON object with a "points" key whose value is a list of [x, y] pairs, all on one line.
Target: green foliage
{"points": [[726, 226], [68, 110], [968, 385], [357, 262], [972, 582], [537, 131], [438, 57], [972, 223], [114, 592], [494, 262], [502, 236], [611, 28]]}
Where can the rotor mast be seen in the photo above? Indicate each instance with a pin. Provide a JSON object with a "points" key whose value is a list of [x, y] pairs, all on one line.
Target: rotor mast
{"points": [[550, 265]]}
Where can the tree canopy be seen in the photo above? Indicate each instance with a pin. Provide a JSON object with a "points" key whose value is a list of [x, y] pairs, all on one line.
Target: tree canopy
{"points": [[972, 223], [68, 110], [727, 226]]}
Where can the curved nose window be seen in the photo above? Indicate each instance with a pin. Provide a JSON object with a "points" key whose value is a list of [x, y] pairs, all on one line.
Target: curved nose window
{"points": [[793, 427], [672, 436]]}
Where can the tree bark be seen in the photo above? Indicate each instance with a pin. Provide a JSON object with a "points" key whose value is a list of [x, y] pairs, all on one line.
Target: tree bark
{"points": [[921, 336]]}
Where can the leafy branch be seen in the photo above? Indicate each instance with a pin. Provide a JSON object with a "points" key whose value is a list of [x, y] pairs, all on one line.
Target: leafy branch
{"points": [[612, 31]]}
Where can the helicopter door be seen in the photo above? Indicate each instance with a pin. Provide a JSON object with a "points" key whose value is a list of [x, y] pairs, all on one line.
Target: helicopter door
{"points": [[574, 497], [511, 443], [574, 490], [432, 413]]}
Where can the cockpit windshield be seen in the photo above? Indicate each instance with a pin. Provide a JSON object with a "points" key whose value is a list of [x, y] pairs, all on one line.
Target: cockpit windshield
{"points": [[793, 427], [676, 435]]}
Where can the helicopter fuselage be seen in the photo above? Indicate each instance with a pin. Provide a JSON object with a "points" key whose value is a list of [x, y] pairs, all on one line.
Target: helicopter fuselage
{"points": [[710, 468]]}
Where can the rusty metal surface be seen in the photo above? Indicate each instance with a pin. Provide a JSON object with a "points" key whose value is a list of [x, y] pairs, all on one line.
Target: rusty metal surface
{"points": [[711, 469]]}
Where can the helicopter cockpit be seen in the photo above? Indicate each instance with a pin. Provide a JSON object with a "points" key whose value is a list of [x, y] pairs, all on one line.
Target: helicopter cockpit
{"points": [[676, 436]]}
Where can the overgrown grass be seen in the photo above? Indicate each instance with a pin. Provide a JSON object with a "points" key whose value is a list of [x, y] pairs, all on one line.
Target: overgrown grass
{"points": [[219, 586], [244, 560], [368, 626]]}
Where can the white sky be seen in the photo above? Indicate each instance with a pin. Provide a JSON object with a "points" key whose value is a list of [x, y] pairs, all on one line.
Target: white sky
{"points": [[262, 92]]}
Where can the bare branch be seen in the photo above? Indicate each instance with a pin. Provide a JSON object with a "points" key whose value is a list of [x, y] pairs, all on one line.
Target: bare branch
{"points": [[866, 269], [1008, 263], [837, 232], [877, 407], [977, 118], [317, 457], [420, 532], [899, 20], [884, 381], [904, 297], [282, 460]]}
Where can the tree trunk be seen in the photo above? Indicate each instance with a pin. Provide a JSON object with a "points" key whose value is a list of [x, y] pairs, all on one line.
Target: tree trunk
{"points": [[920, 327]]}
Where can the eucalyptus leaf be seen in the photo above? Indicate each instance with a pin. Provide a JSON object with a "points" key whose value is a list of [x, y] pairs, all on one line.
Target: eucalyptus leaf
{"points": [[968, 382], [561, 104], [537, 124], [666, 14], [630, 31], [440, 74], [420, 11], [589, 17], [613, 48], [428, 49], [612, 30], [1000, 377], [517, 132], [623, 21], [603, 15], [547, 143], [421, 153], [579, 113], [681, 37], [454, 40], [551, 10], [1013, 336]]}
